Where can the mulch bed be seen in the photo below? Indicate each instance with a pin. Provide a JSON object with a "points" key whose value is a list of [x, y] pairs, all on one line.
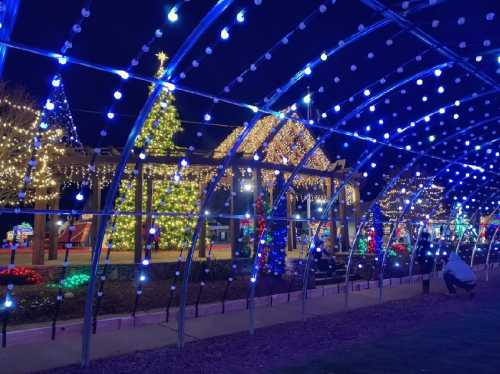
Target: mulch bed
{"points": [[37, 303], [291, 343]]}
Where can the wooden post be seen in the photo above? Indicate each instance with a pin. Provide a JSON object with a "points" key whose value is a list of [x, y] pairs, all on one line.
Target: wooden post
{"points": [[138, 218], [234, 224], [344, 227], [330, 184], [356, 204], [149, 202], [290, 209], [53, 227], [95, 206], [202, 241], [257, 190], [37, 246]]}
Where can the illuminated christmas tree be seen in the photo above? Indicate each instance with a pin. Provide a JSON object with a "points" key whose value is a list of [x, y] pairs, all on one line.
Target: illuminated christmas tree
{"points": [[460, 222], [34, 139], [172, 192], [431, 200]]}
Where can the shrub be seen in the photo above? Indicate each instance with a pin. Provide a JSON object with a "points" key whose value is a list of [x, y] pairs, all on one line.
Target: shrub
{"points": [[19, 276]]}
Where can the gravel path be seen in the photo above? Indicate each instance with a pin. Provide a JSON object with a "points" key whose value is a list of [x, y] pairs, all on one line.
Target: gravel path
{"points": [[294, 344]]}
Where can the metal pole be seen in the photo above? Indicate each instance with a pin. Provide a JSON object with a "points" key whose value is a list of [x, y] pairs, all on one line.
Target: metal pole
{"points": [[207, 21]]}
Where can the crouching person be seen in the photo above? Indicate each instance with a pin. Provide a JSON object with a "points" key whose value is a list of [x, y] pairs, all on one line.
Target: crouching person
{"points": [[456, 273]]}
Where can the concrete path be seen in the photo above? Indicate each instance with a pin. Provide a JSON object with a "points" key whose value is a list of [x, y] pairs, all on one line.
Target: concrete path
{"points": [[65, 350]]}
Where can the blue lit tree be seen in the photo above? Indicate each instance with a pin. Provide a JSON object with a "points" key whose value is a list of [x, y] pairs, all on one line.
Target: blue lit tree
{"points": [[277, 252], [57, 113]]}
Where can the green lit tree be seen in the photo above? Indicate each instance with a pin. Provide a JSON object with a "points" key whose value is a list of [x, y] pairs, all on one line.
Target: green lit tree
{"points": [[173, 192]]}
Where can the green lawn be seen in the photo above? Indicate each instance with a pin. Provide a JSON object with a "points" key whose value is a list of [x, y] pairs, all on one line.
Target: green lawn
{"points": [[464, 343]]}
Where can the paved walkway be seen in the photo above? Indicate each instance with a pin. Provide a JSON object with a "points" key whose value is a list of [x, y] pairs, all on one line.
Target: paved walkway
{"points": [[66, 349]]}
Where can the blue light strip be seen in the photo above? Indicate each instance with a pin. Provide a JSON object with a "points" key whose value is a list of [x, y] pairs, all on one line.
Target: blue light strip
{"points": [[8, 15]]}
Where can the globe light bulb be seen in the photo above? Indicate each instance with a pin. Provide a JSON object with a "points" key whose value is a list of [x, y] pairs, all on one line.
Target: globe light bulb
{"points": [[224, 34], [240, 17], [172, 15], [79, 196], [49, 105], [117, 95], [123, 74]]}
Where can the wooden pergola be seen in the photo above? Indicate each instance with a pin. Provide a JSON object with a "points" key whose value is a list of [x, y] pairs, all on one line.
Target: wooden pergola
{"points": [[279, 145]]}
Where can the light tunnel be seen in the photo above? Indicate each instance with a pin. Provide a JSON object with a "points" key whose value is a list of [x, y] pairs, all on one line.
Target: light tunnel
{"points": [[390, 111]]}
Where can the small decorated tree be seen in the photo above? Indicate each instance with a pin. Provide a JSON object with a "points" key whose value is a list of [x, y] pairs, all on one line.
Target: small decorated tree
{"points": [[277, 253], [261, 211]]}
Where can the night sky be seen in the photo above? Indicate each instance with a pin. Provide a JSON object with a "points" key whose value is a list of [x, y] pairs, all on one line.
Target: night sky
{"points": [[114, 33]]}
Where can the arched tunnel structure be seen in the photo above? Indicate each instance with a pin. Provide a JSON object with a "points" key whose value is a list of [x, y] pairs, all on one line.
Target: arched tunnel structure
{"points": [[404, 94]]}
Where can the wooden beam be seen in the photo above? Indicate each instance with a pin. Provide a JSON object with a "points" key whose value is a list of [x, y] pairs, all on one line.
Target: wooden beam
{"points": [[95, 206], [344, 226], [78, 159], [234, 224], [53, 227], [257, 190], [290, 210], [202, 240], [330, 185]]}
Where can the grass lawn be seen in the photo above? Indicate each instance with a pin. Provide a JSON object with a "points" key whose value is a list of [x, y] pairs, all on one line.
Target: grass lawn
{"points": [[466, 342]]}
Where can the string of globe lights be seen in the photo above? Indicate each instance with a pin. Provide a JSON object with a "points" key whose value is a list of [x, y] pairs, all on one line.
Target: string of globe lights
{"points": [[364, 221], [229, 156], [267, 56], [224, 36], [255, 109], [426, 119], [80, 196], [415, 196], [399, 132], [49, 105], [199, 30], [146, 261], [281, 115], [9, 303], [425, 220], [110, 114], [392, 182]]}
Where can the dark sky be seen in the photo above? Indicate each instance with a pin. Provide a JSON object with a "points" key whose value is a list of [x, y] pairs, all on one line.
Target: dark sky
{"points": [[116, 29]]}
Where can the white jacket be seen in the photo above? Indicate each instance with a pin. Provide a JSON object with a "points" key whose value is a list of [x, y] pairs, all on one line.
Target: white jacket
{"points": [[459, 269]]}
